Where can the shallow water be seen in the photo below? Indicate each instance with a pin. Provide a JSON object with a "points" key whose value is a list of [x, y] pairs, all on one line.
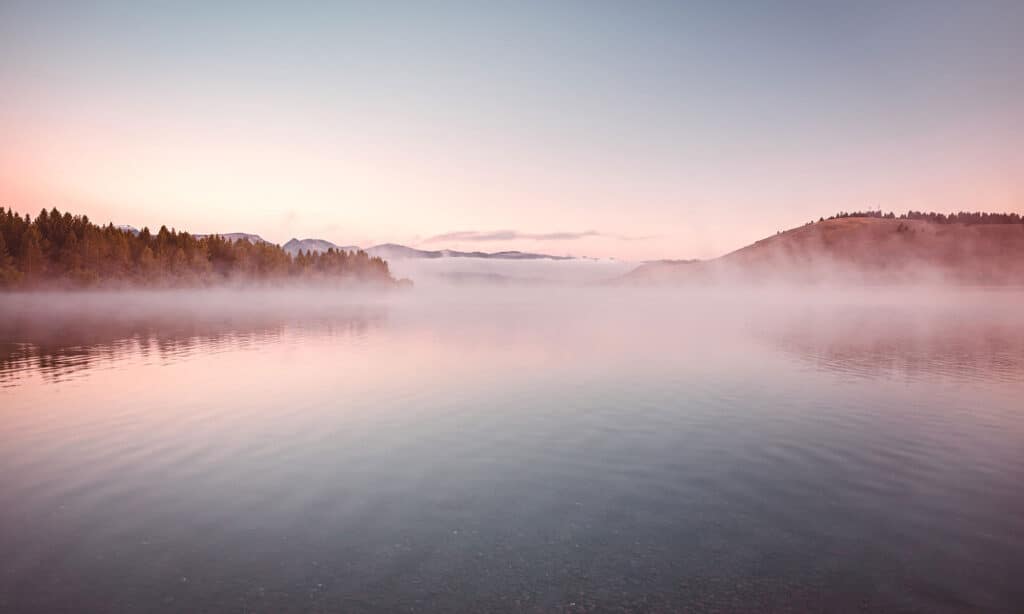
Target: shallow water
{"points": [[528, 450]]}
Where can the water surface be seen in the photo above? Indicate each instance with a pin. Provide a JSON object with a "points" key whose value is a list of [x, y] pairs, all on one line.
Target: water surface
{"points": [[546, 450]]}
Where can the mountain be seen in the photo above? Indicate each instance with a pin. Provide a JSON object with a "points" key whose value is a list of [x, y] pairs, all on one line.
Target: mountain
{"points": [[254, 238], [387, 251], [510, 255], [865, 249], [492, 279], [315, 245], [393, 251], [236, 236]]}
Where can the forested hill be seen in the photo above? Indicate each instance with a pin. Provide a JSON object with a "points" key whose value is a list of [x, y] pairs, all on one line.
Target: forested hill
{"points": [[965, 248], [63, 250]]}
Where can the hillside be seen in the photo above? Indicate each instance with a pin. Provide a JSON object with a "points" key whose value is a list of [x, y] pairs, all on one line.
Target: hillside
{"points": [[867, 249]]}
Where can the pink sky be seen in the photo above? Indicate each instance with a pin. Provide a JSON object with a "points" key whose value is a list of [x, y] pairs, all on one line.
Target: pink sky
{"points": [[630, 142]]}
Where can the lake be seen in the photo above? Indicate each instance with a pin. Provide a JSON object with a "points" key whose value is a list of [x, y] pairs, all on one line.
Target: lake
{"points": [[512, 449]]}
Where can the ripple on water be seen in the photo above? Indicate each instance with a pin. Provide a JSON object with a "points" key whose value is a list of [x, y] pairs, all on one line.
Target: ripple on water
{"points": [[583, 459]]}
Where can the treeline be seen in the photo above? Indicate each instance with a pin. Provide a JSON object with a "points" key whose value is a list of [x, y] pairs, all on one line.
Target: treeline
{"points": [[59, 249], [963, 217]]}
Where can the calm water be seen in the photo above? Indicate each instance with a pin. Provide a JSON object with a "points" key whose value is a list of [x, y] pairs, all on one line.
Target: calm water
{"points": [[512, 450]]}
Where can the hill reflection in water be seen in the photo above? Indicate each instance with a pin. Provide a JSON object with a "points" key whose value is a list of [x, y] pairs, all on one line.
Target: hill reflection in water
{"points": [[985, 344]]}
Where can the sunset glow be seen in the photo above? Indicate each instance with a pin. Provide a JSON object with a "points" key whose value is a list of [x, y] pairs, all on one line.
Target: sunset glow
{"points": [[634, 135]]}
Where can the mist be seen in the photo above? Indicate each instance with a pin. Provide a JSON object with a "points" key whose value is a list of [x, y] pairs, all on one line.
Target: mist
{"points": [[578, 320], [517, 307], [570, 439], [864, 249], [480, 272]]}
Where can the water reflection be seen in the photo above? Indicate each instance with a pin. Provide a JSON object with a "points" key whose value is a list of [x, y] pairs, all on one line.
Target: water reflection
{"points": [[56, 342], [979, 339], [510, 452], [905, 344]]}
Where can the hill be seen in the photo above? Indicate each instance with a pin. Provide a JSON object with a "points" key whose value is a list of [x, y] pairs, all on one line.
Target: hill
{"points": [[863, 249], [294, 246]]}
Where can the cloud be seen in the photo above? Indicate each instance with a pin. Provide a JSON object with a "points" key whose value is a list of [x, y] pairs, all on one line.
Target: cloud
{"points": [[512, 235]]}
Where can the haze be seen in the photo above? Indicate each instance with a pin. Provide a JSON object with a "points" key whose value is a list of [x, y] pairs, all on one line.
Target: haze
{"points": [[511, 307]]}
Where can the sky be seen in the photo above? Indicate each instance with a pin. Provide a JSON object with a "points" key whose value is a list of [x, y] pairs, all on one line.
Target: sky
{"points": [[633, 130]]}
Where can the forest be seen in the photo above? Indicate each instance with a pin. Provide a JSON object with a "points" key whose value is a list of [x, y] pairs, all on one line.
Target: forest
{"points": [[963, 217], [58, 250]]}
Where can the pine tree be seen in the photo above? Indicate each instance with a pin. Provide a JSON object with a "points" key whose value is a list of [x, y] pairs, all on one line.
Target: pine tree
{"points": [[32, 261], [8, 274], [62, 248], [70, 258]]}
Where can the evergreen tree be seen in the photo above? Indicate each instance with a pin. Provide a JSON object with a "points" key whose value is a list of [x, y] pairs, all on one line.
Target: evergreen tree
{"points": [[8, 274], [31, 261], [63, 249]]}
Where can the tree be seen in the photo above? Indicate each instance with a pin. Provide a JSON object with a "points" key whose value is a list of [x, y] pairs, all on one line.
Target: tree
{"points": [[31, 259], [70, 258], [65, 249], [8, 274]]}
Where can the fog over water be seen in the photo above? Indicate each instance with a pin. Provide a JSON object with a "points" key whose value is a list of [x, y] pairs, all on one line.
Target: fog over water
{"points": [[506, 448], [435, 272]]}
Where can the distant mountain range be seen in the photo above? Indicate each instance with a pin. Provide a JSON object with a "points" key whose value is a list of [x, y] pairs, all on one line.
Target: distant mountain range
{"points": [[393, 251], [238, 236], [387, 251], [314, 245], [231, 236]]}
